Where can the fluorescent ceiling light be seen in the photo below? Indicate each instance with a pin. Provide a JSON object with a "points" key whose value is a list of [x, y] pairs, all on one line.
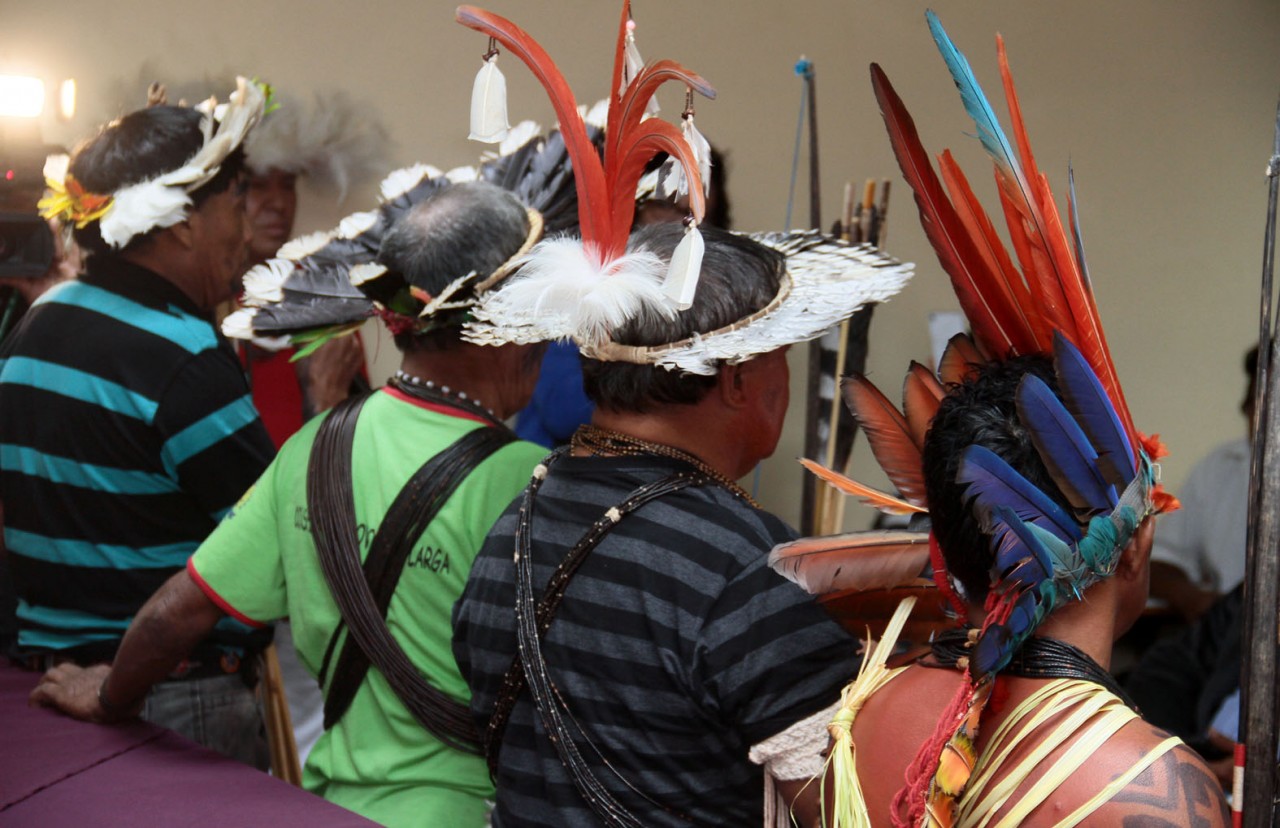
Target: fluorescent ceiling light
{"points": [[67, 99]]}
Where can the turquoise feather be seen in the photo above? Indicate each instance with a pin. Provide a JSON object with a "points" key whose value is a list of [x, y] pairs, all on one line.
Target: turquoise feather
{"points": [[976, 104]]}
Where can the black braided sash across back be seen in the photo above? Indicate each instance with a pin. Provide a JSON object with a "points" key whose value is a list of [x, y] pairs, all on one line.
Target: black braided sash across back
{"points": [[363, 592], [529, 670]]}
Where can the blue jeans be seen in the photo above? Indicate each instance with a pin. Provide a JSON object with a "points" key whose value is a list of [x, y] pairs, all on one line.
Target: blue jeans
{"points": [[219, 712]]}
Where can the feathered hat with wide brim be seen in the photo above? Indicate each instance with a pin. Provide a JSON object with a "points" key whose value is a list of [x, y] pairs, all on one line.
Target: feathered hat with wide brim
{"points": [[583, 290], [323, 285]]}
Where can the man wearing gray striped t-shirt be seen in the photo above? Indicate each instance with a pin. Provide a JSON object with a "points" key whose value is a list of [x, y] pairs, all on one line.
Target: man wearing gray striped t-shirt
{"points": [[651, 646]]}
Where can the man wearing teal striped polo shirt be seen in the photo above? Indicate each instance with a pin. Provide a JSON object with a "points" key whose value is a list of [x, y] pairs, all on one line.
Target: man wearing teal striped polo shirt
{"points": [[126, 426]]}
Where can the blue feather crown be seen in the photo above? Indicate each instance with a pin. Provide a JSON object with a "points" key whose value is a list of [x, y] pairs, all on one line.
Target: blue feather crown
{"points": [[1046, 554]]}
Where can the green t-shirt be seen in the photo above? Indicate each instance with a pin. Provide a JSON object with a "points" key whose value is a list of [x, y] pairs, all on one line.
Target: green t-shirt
{"points": [[260, 564]]}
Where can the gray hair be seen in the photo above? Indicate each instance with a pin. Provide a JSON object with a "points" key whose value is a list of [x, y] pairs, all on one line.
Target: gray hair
{"points": [[467, 228]]}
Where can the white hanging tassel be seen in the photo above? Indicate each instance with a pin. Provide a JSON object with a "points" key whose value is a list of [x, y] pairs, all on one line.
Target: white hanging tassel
{"points": [[686, 265], [674, 182], [701, 154], [632, 63], [489, 123]]}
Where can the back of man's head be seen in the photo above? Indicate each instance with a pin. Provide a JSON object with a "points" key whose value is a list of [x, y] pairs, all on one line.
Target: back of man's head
{"points": [[140, 146], [738, 277], [468, 228], [981, 411]]}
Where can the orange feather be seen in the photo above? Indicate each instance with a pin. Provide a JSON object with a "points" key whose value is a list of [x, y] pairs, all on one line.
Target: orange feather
{"points": [[955, 249], [921, 395], [1033, 334], [884, 502], [959, 359], [1085, 329], [888, 435]]}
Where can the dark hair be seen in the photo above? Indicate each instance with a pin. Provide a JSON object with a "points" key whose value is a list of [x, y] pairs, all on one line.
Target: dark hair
{"points": [[719, 211], [738, 278], [142, 145], [467, 228], [981, 411]]}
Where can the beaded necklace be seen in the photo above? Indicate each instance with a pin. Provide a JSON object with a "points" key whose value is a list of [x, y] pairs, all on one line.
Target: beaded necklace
{"points": [[428, 391], [602, 441]]}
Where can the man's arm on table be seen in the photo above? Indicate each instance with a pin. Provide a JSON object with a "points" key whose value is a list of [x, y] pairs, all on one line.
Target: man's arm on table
{"points": [[167, 628]]}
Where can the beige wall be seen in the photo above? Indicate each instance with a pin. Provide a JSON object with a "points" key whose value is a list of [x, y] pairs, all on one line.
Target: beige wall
{"points": [[1163, 106]]}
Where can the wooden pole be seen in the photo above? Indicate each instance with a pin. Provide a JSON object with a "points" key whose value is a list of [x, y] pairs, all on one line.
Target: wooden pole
{"points": [[275, 711], [813, 403], [1258, 673]]}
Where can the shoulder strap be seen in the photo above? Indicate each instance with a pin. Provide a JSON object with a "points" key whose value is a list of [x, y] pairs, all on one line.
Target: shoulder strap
{"points": [[363, 593]]}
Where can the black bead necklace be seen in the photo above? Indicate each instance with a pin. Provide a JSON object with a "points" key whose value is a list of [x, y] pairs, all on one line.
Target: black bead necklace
{"points": [[1038, 658], [428, 391], [602, 441]]}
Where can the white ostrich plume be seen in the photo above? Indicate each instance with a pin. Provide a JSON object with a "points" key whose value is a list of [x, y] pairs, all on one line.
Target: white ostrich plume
{"points": [[562, 293], [403, 180]]}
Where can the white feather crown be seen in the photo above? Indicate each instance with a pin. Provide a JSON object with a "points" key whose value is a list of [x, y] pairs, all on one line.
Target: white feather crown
{"points": [[161, 201]]}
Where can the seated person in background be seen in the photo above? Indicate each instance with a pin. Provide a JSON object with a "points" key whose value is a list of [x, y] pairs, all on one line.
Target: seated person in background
{"points": [[1199, 550], [1181, 682], [428, 430], [127, 422], [334, 145]]}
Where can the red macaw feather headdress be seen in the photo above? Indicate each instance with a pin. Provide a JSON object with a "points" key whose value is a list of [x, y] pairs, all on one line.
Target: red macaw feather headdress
{"points": [[1044, 554]]}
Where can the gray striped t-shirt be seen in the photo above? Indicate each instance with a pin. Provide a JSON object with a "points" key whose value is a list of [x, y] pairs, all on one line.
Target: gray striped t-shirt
{"points": [[676, 649]]}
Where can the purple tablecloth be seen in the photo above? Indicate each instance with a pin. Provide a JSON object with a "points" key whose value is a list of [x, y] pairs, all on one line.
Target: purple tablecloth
{"points": [[55, 771]]}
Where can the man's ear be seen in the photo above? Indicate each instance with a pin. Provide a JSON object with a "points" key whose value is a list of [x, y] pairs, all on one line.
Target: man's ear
{"points": [[730, 385], [182, 232], [1133, 561]]}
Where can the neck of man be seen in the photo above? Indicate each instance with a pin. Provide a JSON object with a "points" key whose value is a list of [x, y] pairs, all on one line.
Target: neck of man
{"points": [[487, 375], [1089, 625], [154, 259], [696, 429]]}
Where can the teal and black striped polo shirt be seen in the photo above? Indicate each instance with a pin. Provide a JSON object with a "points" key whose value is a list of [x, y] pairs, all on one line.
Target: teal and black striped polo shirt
{"points": [[126, 433]]}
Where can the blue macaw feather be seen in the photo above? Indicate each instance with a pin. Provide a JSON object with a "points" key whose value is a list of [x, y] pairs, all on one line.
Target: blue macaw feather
{"points": [[992, 482], [1027, 561], [1064, 448], [1093, 410], [1026, 615], [999, 642], [991, 652]]}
